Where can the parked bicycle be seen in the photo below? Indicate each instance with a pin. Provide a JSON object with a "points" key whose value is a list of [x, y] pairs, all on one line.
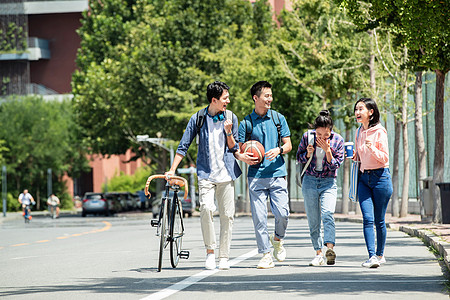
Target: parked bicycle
{"points": [[170, 226]]}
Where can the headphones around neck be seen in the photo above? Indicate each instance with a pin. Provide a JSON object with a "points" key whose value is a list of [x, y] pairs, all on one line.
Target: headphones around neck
{"points": [[218, 117]]}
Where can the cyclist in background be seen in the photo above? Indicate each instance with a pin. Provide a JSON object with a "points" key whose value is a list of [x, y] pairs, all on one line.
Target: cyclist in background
{"points": [[53, 202], [25, 199]]}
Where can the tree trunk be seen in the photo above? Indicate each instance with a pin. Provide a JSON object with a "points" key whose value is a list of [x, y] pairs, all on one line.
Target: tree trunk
{"points": [[439, 151], [373, 89], [420, 143], [405, 187], [346, 181], [395, 205]]}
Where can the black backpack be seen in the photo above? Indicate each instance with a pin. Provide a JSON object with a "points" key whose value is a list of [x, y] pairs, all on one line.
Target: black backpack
{"points": [[201, 116], [248, 134]]}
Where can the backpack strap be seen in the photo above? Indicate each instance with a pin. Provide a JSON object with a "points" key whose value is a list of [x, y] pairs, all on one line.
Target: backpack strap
{"points": [[229, 115], [201, 115], [248, 134], [278, 125]]}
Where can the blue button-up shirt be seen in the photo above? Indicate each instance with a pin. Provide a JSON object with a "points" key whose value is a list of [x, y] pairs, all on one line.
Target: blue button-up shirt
{"points": [[329, 168], [203, 156], [265, 131]]}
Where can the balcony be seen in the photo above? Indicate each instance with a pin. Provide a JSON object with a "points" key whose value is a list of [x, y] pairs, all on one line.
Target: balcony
{"points": [[31, 7], [37, 49]]}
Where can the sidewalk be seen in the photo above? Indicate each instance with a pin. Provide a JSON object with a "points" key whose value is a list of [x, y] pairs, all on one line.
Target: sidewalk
{"points": [[434, 235]]}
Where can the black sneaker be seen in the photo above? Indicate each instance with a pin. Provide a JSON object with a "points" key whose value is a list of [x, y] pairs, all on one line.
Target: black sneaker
{"points": [[331, 256]]}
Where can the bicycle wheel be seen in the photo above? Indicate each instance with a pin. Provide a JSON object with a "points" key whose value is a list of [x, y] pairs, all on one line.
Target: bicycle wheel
{"points": [[163, 233], [176, 230]]}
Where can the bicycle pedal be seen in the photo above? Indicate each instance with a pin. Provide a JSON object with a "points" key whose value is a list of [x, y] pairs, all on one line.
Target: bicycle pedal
{"points": [[154, 223], [184, 254]]}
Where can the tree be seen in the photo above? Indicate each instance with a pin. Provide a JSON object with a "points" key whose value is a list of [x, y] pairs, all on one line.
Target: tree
{"points": [[152, 77], [39, 135], [422, 26]]}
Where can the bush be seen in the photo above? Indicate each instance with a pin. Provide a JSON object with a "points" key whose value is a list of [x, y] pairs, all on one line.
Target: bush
{"points": [[12, 204], [129, 183]]}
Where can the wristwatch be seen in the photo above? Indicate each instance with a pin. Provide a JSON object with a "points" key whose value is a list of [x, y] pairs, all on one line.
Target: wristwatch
{"points": [[229, 134], [281, 150]]}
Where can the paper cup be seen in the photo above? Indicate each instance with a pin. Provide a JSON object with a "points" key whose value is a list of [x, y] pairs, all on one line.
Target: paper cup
{"points": [[348, 149]]}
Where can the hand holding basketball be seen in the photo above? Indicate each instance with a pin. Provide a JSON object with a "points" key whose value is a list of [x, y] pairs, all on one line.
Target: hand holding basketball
{"points": [[255, 148]]}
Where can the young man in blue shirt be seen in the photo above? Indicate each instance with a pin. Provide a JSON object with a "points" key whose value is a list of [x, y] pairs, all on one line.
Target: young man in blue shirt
{"points": [[216, 169], [267, 178]]}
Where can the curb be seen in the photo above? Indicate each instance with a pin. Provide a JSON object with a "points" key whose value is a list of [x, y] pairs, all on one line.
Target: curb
{"points": [[430, 239]]}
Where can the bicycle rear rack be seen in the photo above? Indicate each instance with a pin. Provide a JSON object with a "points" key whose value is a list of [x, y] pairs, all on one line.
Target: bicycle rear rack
{"points": [[184, 254]]}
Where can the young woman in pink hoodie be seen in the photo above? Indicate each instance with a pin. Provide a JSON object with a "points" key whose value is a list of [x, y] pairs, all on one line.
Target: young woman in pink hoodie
{"points": [[375, 184]]}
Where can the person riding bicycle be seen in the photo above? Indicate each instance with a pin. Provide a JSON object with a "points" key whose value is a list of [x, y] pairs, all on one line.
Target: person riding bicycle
{"points": [[25, 199], [53, 202]]}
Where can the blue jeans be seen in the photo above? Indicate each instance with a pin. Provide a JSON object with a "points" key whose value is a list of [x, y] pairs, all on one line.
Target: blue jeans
{"points": [[374, 192], [320, 203], [259, 190]]}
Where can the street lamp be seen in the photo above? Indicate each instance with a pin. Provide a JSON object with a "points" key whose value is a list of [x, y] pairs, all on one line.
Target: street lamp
{"points": [[156, 141]]}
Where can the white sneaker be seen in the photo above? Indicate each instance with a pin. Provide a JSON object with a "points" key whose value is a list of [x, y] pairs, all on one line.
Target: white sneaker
{"points": [[278, 250], [381, 260], [224, 264], [331, 256], [371, 262], [317, 261], [210, 262], [266, 262]]}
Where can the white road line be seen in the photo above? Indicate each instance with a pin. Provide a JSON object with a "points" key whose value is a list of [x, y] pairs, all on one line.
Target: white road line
{"points": [[195, 278], [319, 281]]}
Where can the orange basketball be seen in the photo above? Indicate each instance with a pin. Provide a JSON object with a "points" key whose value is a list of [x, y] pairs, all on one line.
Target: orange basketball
{"points": [[254, 147]]}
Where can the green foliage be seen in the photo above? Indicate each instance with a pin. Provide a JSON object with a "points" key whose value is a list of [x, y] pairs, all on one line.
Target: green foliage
{"points": [[12, 204], [129, 183], [323, 56], [39, 135], [142, 69], [12, 37], [420, 25]]}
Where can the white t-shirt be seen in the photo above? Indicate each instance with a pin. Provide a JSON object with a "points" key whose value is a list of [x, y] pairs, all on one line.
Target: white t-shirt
{"points": [[26, 199], [216, 151], [320, 154], [53, 200]]}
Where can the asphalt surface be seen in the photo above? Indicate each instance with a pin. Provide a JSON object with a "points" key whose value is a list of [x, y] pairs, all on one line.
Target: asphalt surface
{"points": [[116, 258]]}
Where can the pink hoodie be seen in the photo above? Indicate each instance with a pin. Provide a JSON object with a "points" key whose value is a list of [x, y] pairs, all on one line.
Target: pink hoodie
{"points": [[377, 156]]}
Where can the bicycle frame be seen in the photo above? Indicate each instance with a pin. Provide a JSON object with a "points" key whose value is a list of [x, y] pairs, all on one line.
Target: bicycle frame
{"points": [[170, 225]]}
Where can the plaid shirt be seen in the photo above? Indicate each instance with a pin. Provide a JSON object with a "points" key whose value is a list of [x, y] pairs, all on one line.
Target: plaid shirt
{"points": [[329, 169]]}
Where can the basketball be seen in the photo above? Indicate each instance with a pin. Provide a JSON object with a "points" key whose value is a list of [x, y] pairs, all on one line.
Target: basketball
{"points": [[254, 147]]}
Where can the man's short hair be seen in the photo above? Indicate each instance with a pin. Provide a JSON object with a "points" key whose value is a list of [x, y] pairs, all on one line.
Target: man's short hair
{"points": [[215, 90], [257, 87]]}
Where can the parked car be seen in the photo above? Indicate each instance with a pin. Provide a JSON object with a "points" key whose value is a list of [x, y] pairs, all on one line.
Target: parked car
{"points": [[94, 203], [131, 201], [114, 204]]}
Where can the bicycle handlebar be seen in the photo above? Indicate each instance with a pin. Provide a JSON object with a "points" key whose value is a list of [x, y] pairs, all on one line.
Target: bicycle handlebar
{"points": [[173, 180]]}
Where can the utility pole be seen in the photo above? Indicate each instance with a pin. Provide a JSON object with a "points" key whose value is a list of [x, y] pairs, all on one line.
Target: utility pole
{"points": [[4, 187]]}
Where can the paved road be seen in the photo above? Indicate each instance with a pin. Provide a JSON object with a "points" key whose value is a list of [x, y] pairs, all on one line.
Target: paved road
{"points": [[115, 258]]}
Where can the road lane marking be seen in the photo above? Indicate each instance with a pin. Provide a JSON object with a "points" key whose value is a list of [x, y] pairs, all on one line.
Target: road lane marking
{"points": [[18, 245], [195, 278], [105, 228]]}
